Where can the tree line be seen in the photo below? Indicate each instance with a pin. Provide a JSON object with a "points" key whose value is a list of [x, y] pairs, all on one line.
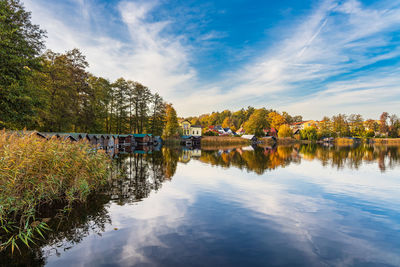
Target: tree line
{"points": [[55, 92], [252, 120], [354, 125]]}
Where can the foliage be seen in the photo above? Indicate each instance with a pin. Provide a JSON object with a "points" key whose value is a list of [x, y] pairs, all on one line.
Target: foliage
{"points": [[237, 119], [158, 115], [285, 131], [275, 120], [55, 92], [340, 125], [257, 123], [20, 44], [309, 133], [383, 127], [369, 133], [356, 123], [35, 172], [210, 133], [171, 126]]}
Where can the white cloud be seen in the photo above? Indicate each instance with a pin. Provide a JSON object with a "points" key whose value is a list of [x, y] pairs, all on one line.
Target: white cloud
{"points": [[157, 60], [337, 38]]}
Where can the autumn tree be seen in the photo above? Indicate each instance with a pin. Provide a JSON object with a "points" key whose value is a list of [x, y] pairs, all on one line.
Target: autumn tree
{"points": [[257, 122], [356, 123], [171, 126], [394, 127], [383, 127], [340, 125], [275, 120], [325, 127], [285, 131], [291, 119], [309, 133], [227, 122], [371, 124]]}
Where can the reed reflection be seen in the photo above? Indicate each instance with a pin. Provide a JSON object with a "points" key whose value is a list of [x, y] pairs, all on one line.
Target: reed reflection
{"points": [[133, 177]]}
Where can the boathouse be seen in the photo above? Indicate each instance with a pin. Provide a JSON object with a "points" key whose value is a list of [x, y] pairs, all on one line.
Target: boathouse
{"points": [[143, 139], [250, 137], [190, 140]]}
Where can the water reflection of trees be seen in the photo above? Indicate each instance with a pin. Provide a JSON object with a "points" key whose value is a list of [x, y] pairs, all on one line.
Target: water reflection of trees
{"points": [[133, 177], [261, 159], [352, 156], [257, 159]]}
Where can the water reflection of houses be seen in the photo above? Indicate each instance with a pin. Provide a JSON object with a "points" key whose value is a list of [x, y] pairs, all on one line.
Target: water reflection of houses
{"points": [[187, 154]]}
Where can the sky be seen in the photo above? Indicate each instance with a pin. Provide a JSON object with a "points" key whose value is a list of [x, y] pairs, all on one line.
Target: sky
{"points": [[308, 57]]}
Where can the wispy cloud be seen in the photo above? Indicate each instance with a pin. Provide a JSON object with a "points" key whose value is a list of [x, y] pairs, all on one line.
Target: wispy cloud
{"points": [[157, 60], [336, 40], [326, 62]]}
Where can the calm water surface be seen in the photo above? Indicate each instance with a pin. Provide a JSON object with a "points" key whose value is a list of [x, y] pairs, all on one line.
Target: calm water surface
{"points": [[284, 206]]}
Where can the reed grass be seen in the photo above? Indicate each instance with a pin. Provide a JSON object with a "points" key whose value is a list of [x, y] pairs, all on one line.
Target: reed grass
{"points": [[386, 141], [344, 141], [34, 172], [223, 140]]}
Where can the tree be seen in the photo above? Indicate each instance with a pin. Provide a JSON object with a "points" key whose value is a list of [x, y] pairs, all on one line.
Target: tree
{"points": [[171, 126], [285, 131], [64, 91], [309, 133], [275, 120], [325, 127], [227, 122], [20, 44], [394, 126], [257, 123], [121, 90], [383, 127], [340, 125], [157, 118], [356, 123], [96, 115], [371, 124], [291, 119]]}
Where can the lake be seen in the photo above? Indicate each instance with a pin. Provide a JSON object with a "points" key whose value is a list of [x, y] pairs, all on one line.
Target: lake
{"points": [[303, 205]]}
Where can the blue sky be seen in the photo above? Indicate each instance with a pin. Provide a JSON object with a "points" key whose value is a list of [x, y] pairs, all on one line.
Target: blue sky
{"points": [[307, 57]]}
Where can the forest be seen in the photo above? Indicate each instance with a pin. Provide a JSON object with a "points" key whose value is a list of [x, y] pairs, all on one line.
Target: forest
{"points": [[48, 91]]}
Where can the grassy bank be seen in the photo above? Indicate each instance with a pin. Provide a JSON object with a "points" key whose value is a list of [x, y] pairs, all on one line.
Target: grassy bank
{"points": [[223, 141], [35, 172], [386, 141]]}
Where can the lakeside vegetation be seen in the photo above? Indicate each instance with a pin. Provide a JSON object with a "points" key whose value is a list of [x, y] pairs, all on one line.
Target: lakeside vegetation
{"points": [[261, 122], [34, 173]]}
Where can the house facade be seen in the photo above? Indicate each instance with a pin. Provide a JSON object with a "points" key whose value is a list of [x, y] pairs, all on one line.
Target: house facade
{"points": [[304, 124], [189, 129]]}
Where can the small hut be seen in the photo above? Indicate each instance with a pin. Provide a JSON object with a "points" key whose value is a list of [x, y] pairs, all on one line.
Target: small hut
{"points": [[190, 140], [124, 140], [142, 139], [93, 139], [250, 137]]}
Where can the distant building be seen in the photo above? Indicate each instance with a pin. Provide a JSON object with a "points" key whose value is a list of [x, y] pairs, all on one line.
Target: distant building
{"points": [[241, 131], [250, 137], [304, 124], [190, 130], [271, 132]]}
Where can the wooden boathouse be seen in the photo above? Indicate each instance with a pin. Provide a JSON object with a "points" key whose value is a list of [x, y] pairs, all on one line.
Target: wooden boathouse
{"points": [[190, 140]]}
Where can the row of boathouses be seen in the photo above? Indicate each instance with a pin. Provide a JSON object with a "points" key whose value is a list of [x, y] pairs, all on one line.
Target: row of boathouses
{"points": [[107, 141]]}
